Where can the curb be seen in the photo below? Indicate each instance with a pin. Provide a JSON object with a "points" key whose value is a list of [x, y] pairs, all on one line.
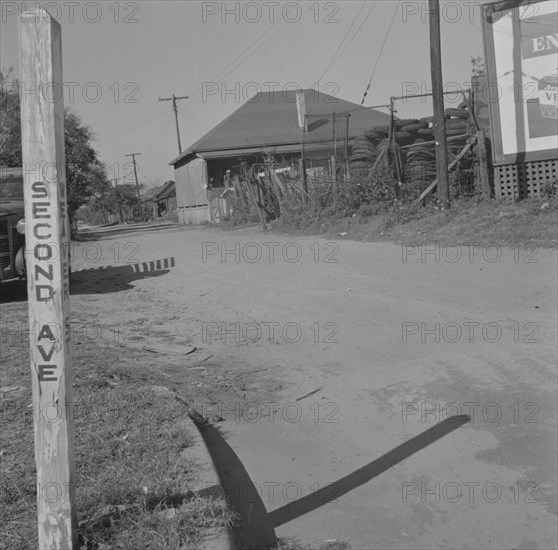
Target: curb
{"points": [[206, 476]]}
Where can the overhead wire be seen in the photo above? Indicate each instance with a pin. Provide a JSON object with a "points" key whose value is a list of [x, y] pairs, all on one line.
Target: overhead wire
{"points": [[193, 118], [135, 126], [232, 67], [195, 62], [381, 51], [197, 94], [363, 22], [333, 58], [160, 134]]}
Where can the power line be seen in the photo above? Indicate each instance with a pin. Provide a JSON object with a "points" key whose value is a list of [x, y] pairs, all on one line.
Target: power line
{"points": [[357, 31], [344, 38], [149, 119], [231, 68], [198, 94], [194, 63], [160, 134], [381, 51], [194, 119]]}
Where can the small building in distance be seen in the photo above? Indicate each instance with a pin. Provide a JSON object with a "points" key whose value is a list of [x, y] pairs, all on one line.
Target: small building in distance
{"points": [[164, 202]]}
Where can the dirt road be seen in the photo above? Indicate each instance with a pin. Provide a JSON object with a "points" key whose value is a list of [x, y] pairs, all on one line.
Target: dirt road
{"points": [[392, 397]]}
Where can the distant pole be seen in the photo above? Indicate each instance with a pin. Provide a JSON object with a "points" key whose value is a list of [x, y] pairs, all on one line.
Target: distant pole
{"points": [[174, 99], [334, 160], [118, 200], [48, 287], [347, 146], [347, 131], [438, 100], [134, 155], [303, 162]]}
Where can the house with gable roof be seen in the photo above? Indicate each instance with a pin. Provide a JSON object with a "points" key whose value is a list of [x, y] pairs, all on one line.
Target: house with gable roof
{"points": [[266, 124]]}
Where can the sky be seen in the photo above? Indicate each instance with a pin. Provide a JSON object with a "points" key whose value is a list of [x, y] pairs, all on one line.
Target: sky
{"points": [[119, 58]]}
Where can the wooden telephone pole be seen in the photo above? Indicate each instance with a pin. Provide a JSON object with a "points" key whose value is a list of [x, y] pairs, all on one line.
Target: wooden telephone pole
{"points": [[438, 100], [134, 155], [48, 284], [118, 199], [174, 99]]}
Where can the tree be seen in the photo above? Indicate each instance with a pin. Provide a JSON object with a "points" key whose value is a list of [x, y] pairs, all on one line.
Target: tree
{"points": [[85, 173], [10, 126]]}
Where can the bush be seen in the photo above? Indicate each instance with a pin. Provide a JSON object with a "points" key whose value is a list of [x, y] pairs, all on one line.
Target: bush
{"points": [[242, 214], [295, 213], [549, 192]]}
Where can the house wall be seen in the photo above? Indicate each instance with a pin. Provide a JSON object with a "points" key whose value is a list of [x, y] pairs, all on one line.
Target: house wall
{"points": [[191, 194]]}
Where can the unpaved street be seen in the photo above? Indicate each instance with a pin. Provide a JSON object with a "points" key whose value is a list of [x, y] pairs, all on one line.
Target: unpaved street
{"points": [[375, 394]]}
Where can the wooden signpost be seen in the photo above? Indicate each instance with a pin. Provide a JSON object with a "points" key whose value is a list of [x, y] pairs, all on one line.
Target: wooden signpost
{"points": [[47, 262]]}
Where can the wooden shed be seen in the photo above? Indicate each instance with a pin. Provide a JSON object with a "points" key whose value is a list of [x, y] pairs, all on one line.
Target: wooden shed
{"points": [[192, 201]]}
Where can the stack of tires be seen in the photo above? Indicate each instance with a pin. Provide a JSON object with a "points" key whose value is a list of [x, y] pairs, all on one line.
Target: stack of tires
{"points": [[407, 130], [363, 155], [421, 163], [457, 120], [420, 160], [423, 130]]}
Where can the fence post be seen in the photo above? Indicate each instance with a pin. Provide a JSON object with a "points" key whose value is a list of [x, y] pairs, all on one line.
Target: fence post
{"points": [[47, 261], [484, 174]]}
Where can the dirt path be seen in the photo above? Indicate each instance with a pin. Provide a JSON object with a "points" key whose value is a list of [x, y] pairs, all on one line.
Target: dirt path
{"points": [[371, 395]]}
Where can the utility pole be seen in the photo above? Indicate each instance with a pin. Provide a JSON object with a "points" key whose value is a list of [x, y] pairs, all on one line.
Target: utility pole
{"points": [[303, 161], [334, 160], [438, 100], [118, 200], [174, 99], [134, 155]]}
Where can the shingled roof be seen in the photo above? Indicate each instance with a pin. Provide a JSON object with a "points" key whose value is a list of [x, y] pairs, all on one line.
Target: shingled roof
{"points": [[269, 119]]}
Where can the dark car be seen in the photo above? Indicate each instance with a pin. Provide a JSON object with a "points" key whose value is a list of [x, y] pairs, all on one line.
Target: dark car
{"points": [[12, 224]]}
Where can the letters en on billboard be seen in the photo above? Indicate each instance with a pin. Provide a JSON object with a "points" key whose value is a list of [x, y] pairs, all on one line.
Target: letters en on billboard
{"points": [[521, 47]]}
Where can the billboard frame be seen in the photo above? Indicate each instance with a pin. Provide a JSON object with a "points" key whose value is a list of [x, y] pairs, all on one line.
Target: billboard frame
{"points": [[494, 11]]}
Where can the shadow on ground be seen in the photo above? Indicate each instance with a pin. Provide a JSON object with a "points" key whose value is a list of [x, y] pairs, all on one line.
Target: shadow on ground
{"points": [[256, 527], [105, 280], [100, 280]]}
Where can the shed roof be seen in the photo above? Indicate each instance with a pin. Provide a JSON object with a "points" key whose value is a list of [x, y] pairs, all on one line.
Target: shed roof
{"points": [[270, 120], [168, 190]]}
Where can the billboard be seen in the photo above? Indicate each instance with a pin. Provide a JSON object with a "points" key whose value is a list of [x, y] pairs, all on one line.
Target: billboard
{"points": [[521, 50]]}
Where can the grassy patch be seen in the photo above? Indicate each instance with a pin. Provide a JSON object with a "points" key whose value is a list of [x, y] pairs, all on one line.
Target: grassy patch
{"points": [[133, 477], [506, 223]]}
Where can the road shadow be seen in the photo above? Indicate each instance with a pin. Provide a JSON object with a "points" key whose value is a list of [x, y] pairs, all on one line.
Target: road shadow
{"points": [[106, 280], [99, 280], [363, 475], [253, 529], [256, 527]]}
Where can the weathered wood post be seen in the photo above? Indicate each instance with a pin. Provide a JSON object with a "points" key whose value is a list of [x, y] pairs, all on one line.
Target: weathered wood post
{"points": [[47, 260], [484, 174]]}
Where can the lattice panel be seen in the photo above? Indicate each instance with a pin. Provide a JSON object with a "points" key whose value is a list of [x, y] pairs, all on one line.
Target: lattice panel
{"points": [[523, 180]]}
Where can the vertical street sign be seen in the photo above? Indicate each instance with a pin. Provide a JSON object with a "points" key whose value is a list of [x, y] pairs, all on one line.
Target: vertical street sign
{"points": [[47, 259]]}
